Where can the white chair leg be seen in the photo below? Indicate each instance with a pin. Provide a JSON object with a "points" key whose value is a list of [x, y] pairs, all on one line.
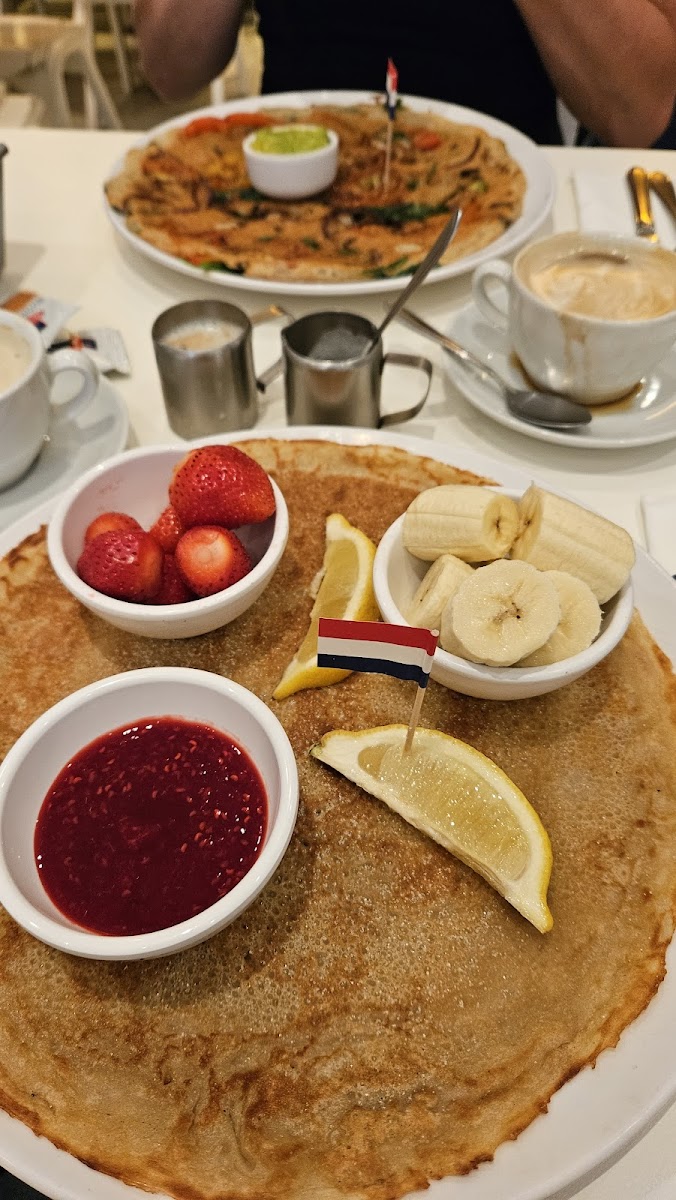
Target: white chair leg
{"points": [[120, 46], [99, 107]]}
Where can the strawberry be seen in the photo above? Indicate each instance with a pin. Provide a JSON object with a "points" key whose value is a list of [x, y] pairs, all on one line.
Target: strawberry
{"points": [[220, 485], [167, 529], [210, 558], [123, 564], [173, 589], [109, 521]]}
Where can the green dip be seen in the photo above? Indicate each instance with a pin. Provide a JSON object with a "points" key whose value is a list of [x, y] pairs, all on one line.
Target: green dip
{"points": [[289, 139]]}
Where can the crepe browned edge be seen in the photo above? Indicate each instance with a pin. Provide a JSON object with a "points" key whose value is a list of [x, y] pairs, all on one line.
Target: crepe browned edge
{"points": [[379, 1017], [164, 190]]}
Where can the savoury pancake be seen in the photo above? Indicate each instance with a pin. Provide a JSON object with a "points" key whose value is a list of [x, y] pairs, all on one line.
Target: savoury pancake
{"points": [[188, 194], [379, 1017]]}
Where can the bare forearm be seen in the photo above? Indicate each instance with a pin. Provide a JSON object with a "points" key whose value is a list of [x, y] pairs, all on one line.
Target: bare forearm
{"points": [[613, 62], [185, 43]]}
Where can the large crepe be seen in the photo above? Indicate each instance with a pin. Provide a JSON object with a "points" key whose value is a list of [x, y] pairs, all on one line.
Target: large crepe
{"points": [[187, 192], [379, 1017]]}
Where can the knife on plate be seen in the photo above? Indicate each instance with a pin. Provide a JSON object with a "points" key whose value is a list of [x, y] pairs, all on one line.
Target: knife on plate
{"points": [[639, 189]]}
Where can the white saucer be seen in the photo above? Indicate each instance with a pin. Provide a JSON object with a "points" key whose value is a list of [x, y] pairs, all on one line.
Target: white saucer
{"points": [[649, 416], [71, 447]]}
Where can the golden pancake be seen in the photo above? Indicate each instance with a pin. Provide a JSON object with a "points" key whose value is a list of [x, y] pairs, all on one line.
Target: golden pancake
{"points": [[188, 194], [379, 1017]]}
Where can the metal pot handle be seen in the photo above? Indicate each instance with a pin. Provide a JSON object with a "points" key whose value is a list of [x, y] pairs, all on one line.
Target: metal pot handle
{"points": [[274, 312], [419, 363]]}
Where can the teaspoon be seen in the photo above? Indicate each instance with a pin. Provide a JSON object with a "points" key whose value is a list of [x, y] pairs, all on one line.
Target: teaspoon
{"points": [[537, 408], [422, 270]]}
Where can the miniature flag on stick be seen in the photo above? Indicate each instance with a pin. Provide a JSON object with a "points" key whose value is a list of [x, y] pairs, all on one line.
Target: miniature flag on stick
{"points": [[373, 646], [391, 84]]}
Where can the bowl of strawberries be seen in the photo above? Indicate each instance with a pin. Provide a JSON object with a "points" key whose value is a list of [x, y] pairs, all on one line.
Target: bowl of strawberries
{"points": [[170, 543]]}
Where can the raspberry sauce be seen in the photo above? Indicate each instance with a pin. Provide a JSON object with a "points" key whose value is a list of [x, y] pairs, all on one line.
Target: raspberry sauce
{"points": [[149, 825]]}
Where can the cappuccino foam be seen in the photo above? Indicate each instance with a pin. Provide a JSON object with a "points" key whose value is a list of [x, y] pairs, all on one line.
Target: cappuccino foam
{"points": [[637, 288], [15, 357]]}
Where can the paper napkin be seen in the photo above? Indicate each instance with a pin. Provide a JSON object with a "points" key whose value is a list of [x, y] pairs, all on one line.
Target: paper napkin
{"points": [[604, 204], [659, 523]]}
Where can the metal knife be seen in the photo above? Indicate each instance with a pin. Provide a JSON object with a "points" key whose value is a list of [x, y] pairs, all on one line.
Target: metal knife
{"points": [[664, 188], [638, 181]]}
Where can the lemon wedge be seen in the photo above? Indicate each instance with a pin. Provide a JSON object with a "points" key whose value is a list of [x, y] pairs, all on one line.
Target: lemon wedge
{"points": [[456, 795], [345, 592]]}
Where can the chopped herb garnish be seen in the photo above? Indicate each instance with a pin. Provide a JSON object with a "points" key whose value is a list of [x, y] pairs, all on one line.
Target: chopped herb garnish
{"points": [[219, 266], [310, 243], [412, 184], [397, 214], [392, 270]]}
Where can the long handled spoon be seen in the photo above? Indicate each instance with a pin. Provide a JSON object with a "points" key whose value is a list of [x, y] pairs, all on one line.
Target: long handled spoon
{"points": [[537, 408]]}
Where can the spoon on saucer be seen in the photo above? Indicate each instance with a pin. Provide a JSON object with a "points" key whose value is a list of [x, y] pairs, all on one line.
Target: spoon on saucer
{"points": [[537, 408]]}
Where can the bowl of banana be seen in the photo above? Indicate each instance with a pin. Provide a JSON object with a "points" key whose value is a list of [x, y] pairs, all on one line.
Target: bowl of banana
{"points": [[528, 592]]}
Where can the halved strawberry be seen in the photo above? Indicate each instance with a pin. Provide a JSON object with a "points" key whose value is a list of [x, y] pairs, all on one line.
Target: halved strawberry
{"points": [[210, 559], [173, 589], [125, 565], [167, 529], [108, 522], [220, 485]]}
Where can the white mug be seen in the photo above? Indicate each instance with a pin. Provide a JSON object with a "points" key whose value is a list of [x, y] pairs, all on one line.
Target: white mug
{"points": [[593, 359], [26, 408]]}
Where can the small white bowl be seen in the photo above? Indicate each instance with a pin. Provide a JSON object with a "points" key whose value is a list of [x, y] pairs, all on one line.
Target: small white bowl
{"points": [[396, 575], [136, 482], [35, 760], [292, 176]]}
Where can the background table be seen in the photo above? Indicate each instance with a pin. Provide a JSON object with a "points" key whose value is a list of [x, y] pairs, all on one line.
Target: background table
{"points": [[60, 243]]}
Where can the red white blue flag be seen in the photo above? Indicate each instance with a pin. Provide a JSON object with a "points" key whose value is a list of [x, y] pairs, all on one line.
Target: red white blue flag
{"points": [[374, 646], [391, 85]]}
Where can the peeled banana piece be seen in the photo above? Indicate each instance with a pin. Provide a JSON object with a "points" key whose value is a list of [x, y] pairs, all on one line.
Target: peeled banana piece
{"points": [[501, 614], [579, 624], [438, 587], [472, 523], [558, 535]]}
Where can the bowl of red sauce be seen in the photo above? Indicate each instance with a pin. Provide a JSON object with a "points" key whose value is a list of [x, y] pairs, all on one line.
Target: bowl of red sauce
{"points": [[144, 813]]}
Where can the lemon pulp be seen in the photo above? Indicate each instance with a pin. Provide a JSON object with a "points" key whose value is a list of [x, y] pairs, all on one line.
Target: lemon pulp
{"points": [[460, 798], [345, 593]]}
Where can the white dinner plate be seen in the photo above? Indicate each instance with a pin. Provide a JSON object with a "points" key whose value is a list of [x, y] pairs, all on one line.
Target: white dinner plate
{"points": [[590, 1120], [71, 447], [647, 416], [538, 200]]}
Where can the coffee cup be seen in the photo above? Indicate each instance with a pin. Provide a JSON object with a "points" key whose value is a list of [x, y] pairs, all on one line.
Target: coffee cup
{"points": [[26, 407], [333, 366], [204, 355], [587, 314]]}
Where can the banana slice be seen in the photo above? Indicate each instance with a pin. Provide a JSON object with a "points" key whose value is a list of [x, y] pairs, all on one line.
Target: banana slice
{"points": [[438, 587], [558, 535], [504, 612], [579, 624], [472, 523]]}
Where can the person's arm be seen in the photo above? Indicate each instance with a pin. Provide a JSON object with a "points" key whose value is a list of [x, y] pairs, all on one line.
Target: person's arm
{"points": [[184, 44], [613, 62]]}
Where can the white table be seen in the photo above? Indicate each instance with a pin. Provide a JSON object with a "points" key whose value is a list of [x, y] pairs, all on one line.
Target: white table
{"points": [[59, 243]]}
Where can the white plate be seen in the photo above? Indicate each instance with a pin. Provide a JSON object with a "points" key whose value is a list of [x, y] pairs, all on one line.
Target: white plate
{"points": [[538, 199], [649, 416], [595, 1116], [71, 447]]}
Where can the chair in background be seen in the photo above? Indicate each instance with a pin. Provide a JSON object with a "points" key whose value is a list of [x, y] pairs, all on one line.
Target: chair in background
{"points": [[116, 13], [35, 52]]}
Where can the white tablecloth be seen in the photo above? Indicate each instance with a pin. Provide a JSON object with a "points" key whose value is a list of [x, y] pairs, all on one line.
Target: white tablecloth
{"points": [[59, 242]]}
